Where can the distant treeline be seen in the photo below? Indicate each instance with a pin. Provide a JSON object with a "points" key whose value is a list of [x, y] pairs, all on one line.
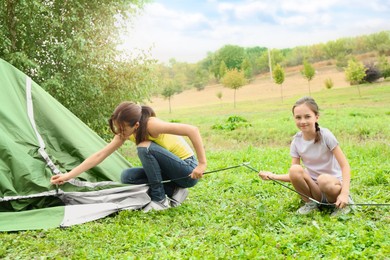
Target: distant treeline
{"points": [[255, 60]]}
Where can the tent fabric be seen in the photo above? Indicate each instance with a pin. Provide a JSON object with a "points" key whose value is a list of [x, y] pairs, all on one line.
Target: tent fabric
{"points": [[38, 138]]}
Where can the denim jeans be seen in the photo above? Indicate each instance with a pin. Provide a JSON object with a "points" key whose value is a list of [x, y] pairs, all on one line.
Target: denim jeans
{"points": [[159, 164]]}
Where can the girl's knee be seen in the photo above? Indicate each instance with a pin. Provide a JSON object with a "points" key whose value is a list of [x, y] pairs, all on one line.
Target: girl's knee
{"points": [[328, 182], [296, 171], [125, 176]]}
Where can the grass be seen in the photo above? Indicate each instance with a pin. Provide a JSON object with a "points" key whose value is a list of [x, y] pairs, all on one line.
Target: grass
{"points": [[233, 214]]}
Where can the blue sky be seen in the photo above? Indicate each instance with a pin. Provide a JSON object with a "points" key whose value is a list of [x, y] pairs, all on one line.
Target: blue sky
{"points": [[187, 30]]}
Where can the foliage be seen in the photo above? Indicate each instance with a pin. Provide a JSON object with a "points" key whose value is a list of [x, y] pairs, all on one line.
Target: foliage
{"points": [[222, 69], [219, 95], [246, 67], [355, 72], [70, 49], [372, 73], [278, 76], [233, 214], [328, 83], [171, 88], [231, 55], [232, 123], [234, 79], [384, 66], [308, 73]]}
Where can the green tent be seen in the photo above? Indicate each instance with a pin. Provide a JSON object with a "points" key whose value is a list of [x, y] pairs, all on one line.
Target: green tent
{"points": [[38, 138]]}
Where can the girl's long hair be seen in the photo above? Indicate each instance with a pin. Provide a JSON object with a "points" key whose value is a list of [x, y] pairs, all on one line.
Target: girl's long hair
{"points": [[142, 132], [310, 102]]}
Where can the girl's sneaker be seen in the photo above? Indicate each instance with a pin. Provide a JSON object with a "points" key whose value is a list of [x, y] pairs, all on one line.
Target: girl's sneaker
{"points": [[344, 211], [157, 205], [308, 208]]}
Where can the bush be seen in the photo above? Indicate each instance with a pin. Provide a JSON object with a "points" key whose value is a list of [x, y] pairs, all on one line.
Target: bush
{"points": [[384, 66], [232, 123], [372, 73], [328, 83]]}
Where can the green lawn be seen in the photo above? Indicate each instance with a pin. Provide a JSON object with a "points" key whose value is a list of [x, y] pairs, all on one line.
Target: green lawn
{"points": [[233, 214]]}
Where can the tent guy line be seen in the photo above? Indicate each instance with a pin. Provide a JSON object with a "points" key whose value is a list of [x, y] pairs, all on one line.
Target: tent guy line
{"points": [[314, 200]]}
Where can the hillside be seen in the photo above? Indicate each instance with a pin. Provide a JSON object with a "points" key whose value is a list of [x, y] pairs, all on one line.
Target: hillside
{"points": [[261, 87]]}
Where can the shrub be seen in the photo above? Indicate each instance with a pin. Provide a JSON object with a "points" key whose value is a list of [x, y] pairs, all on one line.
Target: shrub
{"points": [[384, 66], [328, 83], [232, 123], [372, 73]]}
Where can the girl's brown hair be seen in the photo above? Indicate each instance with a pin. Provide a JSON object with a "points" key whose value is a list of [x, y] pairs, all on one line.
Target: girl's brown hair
{"points": [[131, 113], [310, 102]]}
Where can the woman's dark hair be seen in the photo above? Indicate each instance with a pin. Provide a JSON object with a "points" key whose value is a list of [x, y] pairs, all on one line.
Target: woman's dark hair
{"points": [[125, 112], [142, 132], [131, 113], [310, 102]]}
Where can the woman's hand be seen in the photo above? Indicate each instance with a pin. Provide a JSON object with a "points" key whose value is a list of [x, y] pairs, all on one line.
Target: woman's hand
{"points": [[197, 173], [59, 179], [265, 175]]}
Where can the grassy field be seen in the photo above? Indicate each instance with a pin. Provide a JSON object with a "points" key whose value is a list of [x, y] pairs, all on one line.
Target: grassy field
{"points": [[233, 214]]}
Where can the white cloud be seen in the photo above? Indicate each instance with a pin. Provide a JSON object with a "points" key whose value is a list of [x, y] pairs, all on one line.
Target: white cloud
{"points": [[188, 35]]}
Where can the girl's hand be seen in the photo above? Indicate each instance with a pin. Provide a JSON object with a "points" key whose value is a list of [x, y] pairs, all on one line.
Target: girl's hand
{"points": [[342, 201], [265, 175], [197, 173], [59, 179]]}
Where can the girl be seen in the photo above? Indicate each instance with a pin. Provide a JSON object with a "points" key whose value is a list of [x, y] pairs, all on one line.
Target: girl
{"points": [[326, 172], [162, 150]]}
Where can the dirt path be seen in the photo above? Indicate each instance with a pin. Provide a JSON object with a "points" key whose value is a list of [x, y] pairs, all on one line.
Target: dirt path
{"points": [[260, 88]]}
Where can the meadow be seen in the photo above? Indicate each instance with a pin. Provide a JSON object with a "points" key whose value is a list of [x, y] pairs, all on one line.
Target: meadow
{"points": [[233, 214]]}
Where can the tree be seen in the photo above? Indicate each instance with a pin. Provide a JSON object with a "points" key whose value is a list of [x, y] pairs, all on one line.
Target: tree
{"points": [[234, 79], [169, 91], [222, 69], [246, 67], [278, 75], [384, 66], [355, 72], [70, 49], [308, 73], [231, 55]]}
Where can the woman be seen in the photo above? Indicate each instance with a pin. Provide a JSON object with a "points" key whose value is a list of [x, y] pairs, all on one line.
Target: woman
{"points": [[162, 150]]}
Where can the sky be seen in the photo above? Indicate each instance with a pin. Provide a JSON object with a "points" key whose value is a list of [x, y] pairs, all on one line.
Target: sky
{"points": [[187, 30]]}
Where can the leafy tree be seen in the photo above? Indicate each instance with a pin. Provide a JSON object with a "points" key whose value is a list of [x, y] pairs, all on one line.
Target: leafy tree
{"points": [[234, 79], [308, 73], [278, 76], [169, 91], [222, 69], [384, 66], [201, 78], [247, 68], [70, 49], [297, 55], [231, 55], [355, 73], [380, 42], [253, 55]]}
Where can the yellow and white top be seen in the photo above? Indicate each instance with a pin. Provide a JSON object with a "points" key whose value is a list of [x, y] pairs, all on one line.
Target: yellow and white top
{"points": [[174, 143]]}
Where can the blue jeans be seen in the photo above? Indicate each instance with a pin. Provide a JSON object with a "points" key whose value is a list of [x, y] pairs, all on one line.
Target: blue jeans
{"points": [[159, 164]]}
